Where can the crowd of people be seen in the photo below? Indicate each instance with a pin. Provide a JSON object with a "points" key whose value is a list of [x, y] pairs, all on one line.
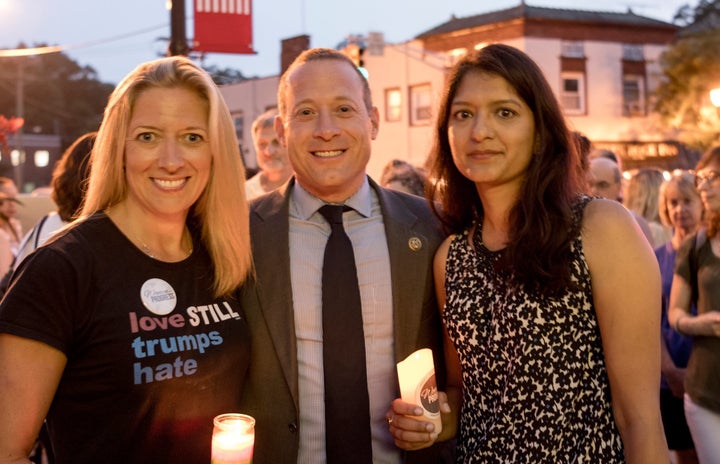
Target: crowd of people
{"points": [[168, 288]]}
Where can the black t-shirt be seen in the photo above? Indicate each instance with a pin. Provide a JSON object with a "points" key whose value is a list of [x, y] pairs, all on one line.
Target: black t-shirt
{"points": [[153, 356]]}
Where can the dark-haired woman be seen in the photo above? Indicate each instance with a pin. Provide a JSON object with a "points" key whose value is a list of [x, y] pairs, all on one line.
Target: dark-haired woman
{"points": [[549, 298]]}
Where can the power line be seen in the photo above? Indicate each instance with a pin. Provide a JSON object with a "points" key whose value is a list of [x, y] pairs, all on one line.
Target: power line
{"points": [[60, 48]]}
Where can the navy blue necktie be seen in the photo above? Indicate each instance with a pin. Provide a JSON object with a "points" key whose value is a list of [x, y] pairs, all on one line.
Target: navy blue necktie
{"points": [[347, 407]]}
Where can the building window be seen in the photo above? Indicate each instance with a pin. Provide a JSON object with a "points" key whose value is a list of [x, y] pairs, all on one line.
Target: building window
{"points": [[393, 105], [420, 105], [239, 123], [573, 49], [42, 158], [633, 52], [633, 95], [572, 92], [17, 157]]}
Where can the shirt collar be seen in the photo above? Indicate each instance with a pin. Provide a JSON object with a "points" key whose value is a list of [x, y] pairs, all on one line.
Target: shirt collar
{"points": [[307, 204]]}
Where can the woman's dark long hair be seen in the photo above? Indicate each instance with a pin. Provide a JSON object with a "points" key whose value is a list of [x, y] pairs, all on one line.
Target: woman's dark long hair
{"points": [[70, 176], [541, 222], [712, 218]]}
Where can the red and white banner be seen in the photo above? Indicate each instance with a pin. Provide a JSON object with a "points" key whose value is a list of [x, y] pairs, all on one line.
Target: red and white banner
{"points": [[223, 26]]}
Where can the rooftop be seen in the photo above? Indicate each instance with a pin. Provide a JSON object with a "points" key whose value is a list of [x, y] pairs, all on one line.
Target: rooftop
{"points": [[524, 11]]}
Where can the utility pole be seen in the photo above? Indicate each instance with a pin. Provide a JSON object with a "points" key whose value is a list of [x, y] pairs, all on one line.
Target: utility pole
{"points": [[20, 112], [178, 38]]}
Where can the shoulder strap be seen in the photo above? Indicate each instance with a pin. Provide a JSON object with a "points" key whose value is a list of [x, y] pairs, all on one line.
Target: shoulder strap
{"points": [[700, 237], [38, 230]]}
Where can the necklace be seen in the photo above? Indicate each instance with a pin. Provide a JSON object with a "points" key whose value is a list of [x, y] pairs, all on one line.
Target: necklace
{"points": [[148, 251]]}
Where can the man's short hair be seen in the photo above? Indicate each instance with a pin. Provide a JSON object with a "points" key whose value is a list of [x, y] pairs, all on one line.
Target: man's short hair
{"points": [[265, 120], [317, 54]]}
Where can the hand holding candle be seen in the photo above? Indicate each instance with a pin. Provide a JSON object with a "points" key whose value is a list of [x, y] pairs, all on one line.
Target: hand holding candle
{"points": [[233, 439], [416, 375]]}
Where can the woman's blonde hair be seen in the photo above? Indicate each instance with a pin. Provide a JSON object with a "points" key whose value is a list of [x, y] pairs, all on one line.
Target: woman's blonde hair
{"points": [[221, 211], [641, 193]]}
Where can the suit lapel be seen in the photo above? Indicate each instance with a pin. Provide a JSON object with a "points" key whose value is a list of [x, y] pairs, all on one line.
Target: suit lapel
{"points": [[272, 264], [408, 267]]}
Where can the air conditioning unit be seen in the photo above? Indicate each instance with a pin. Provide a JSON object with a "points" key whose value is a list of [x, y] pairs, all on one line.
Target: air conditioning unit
{"points": [[634, 109]]}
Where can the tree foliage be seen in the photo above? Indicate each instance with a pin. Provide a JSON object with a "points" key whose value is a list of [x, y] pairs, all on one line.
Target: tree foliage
{"points": [[705, 11], [63, 97], [224, 76], [60, 96], [691, 69]]}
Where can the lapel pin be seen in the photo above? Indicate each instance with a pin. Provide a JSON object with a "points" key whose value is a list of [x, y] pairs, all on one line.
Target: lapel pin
{"points": [[415, 243]]}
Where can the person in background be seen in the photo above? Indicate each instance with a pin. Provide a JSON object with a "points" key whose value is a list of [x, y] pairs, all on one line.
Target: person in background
{"points": [[9, 224], [583, 146], [641, 197], [124, 330], [696, 280], [6, 254], [327, 122], [272, 158], [604, 180], [404, 177], [680, 209], [549, 297], [68, 184], [67, 190], [607, 154]]}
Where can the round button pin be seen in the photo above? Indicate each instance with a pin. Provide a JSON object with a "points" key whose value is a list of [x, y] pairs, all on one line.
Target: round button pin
{"points": [[415, 243]]}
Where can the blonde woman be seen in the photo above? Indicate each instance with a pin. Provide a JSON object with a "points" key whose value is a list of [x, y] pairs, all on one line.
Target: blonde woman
{"points": [[681, 210], [641, 197], [124, 331]]}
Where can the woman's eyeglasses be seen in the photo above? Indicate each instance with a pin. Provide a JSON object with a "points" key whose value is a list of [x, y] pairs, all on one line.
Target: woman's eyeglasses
{"points": [[706, 176]]}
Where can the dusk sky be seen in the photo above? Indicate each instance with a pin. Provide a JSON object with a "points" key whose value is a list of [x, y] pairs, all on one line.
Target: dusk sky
{"points": [[113, 37]]}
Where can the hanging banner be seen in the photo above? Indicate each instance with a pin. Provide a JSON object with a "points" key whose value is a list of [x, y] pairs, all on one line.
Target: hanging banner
{"points": [[223, 26]]}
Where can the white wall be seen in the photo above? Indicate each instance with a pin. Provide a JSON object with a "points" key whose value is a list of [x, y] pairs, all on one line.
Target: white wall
{"points": [[250, 97], [402, 66]]}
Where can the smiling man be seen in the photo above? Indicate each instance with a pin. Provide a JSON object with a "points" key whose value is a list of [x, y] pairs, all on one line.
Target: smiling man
{"points": [[327, 122]]}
